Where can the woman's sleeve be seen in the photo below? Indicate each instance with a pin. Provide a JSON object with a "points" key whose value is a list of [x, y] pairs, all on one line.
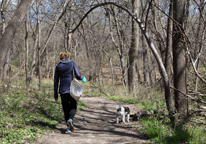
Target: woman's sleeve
{"points": [[77, 73], [56, 81]]}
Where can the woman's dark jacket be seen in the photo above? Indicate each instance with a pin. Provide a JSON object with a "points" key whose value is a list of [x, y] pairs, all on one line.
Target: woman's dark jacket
{"points": [[64, 71]]}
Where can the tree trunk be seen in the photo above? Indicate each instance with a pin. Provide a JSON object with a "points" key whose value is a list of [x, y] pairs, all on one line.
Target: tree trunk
{"points": [[26, 51], [121, 48], [179, 59], [33, 62], [38, 45], [69, 35], [133, 49], [146, 63], [168, 56], [3, 17], [138, 73], [47, 64], [11, 29], [6, 63], [54, 60], [200, 35]]}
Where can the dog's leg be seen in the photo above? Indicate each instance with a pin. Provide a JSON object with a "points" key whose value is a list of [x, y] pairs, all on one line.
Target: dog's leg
{"points": [[123, 118], [117, 119], [128, 116]]}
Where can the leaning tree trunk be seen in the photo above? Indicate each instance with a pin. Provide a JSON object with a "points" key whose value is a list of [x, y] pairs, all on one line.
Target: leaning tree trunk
{"points": [[179, 59], [133, 49], [11, 29]]}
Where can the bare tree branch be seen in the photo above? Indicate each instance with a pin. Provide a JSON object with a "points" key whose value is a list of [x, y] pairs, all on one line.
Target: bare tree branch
{"points": [[152, 47], [192, 98]]}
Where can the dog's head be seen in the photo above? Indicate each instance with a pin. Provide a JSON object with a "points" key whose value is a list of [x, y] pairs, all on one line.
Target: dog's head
{"points": [[123, 109], [119, 108]]}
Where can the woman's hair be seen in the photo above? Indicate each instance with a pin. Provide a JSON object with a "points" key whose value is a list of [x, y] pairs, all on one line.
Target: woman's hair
{"points": [[64, 55]]}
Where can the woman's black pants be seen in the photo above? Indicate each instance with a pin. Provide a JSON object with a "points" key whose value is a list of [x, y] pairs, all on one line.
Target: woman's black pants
{"points": [[69, 105]]}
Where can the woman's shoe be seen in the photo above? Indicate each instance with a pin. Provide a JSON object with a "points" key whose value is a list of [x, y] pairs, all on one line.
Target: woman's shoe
{"points": [[68, 130], [70, 124]]}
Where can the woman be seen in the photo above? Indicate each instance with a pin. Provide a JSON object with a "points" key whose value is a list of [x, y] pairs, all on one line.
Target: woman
{"points": [[64, 71]]}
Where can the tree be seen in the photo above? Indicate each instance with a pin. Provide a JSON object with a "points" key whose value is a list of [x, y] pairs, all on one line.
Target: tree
{"points": [[151, 46], [133, 49], [3, 17], [11, 29], [168, 56], [179, 57], [26, 51], [39, 44]]}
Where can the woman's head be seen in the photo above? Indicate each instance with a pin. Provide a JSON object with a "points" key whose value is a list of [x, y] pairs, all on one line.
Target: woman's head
{"points": [[64, 55]]}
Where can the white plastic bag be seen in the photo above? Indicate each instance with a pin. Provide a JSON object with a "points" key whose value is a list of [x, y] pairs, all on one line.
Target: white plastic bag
{"points": [[76, 89]]}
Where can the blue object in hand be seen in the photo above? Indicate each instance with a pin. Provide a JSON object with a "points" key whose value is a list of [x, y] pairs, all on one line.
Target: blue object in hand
{"points": [[84, 79]]}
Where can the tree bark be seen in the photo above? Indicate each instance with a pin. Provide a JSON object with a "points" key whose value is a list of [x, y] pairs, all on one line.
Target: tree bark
{"points": [[39, 45], [200, 35], [3, 17], [11, 29], [138, 73], [6, 63], [133, 52], [145, 62], [47, 64], [179, 59], [168, 56], [69, 35], [26, 52]]}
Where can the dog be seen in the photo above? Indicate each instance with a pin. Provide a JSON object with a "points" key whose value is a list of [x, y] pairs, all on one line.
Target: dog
{"points": [[123, 112]]}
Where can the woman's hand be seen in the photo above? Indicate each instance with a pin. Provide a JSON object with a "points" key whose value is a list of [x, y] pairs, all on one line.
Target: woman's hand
{"points": [[84, 79], [56, 99]]}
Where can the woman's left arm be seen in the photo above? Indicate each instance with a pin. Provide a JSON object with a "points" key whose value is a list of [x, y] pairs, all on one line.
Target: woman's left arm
{"points": [[56, 81], [76, 72]]}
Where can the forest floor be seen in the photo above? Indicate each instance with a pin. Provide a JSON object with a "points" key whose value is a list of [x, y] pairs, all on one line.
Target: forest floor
{"points": [[96, 124]]}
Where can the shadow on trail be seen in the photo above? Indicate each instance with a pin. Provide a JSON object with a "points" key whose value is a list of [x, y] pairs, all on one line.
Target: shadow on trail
{"points": [[117, 133]]}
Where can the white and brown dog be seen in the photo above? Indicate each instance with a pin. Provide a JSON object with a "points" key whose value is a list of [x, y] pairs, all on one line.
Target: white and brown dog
{"points": [[123, 112]]}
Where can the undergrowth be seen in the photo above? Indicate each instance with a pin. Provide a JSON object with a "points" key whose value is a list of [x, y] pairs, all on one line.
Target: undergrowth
{"points": [[160, 131], [25, 116]]}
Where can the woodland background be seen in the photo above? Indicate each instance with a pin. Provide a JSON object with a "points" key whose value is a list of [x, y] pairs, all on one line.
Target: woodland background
{"points": [[158, 45]]}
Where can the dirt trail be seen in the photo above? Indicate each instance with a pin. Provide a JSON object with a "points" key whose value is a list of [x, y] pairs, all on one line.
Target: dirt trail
{"points": [[96, 124]]}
